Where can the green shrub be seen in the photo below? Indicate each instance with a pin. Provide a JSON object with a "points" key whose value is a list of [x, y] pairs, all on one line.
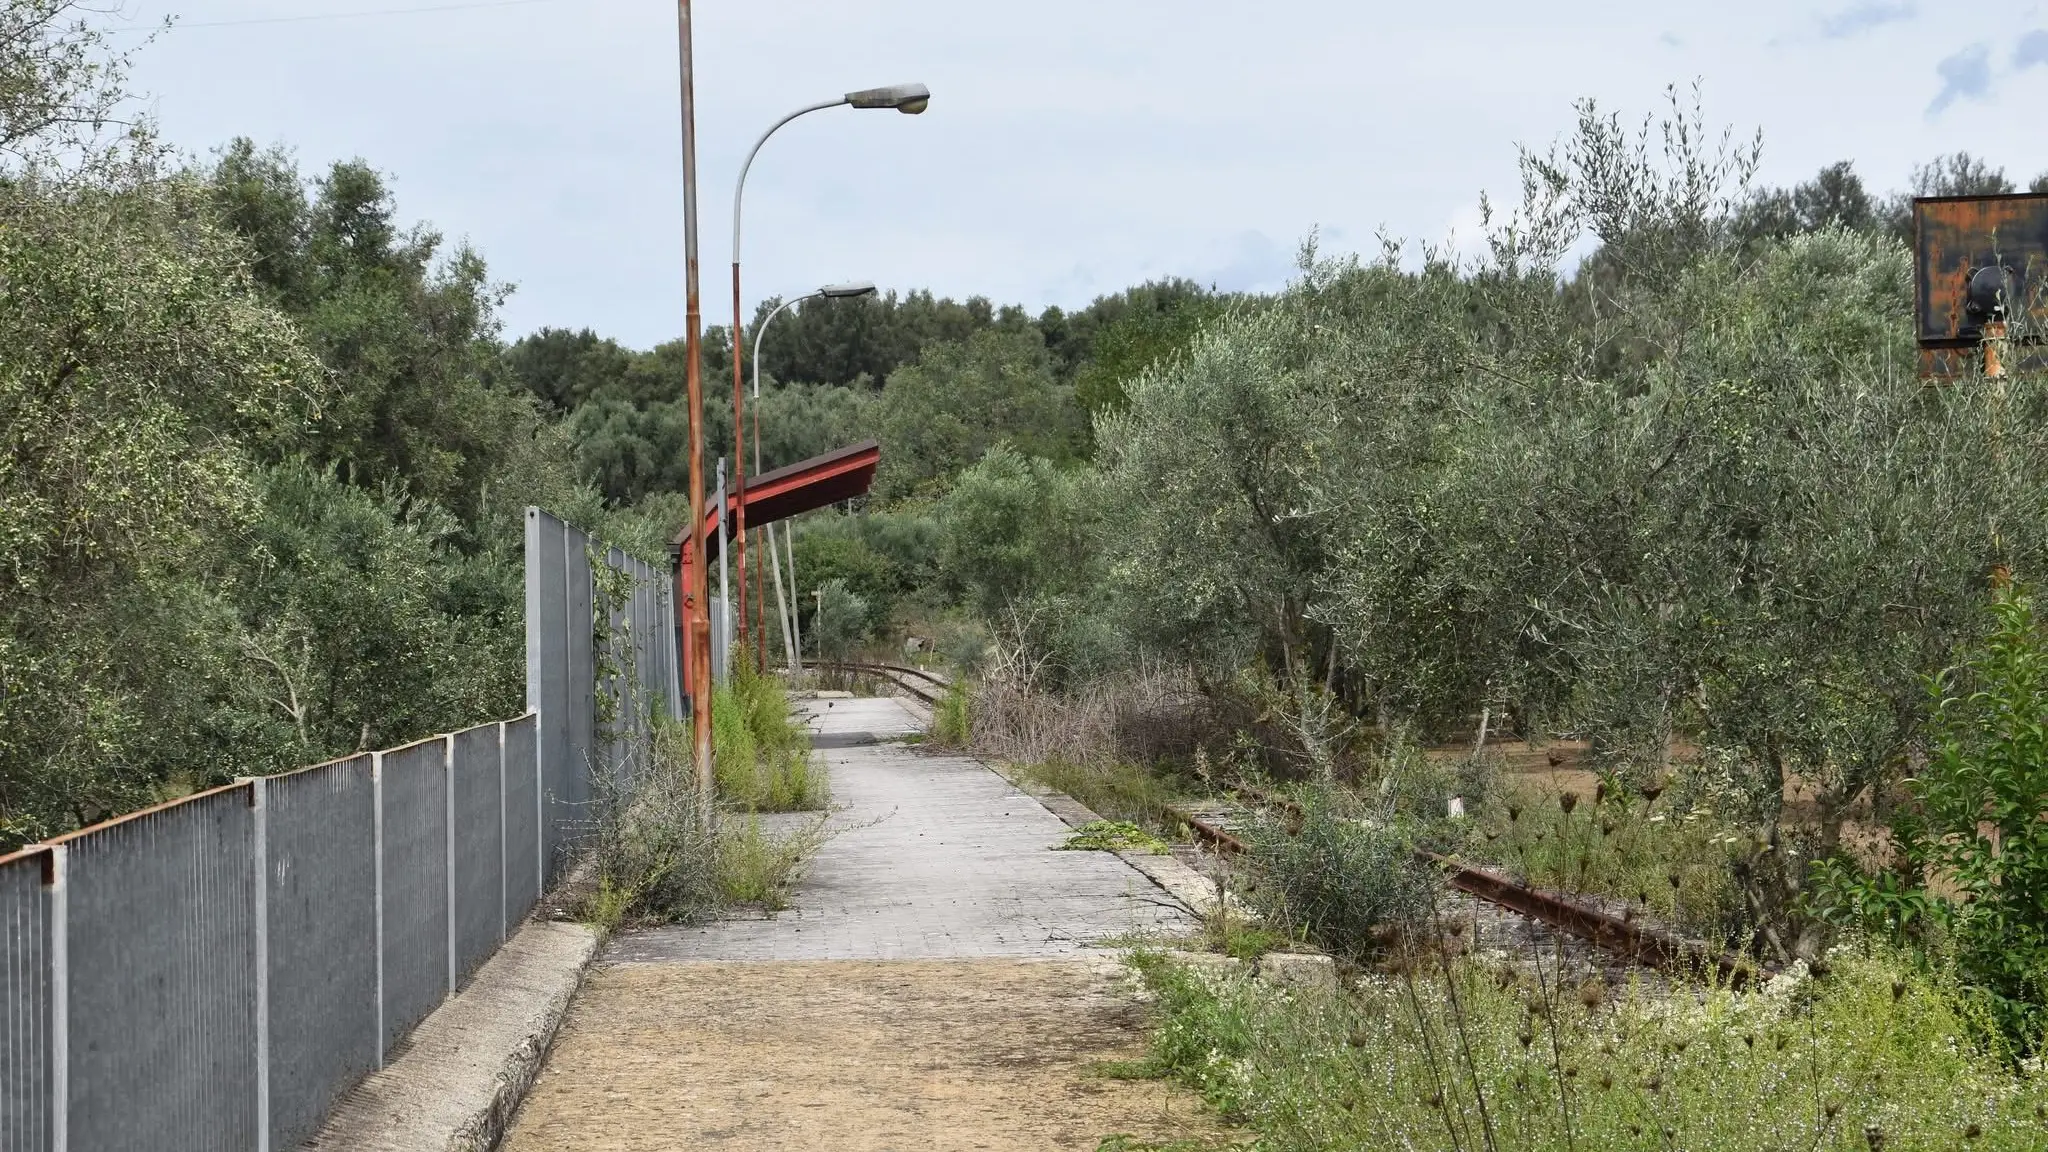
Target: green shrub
{"points": [[1335, 878], [1973, 844]]}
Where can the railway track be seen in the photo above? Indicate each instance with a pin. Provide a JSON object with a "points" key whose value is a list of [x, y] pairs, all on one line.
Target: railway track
{"points": [[924, 686], [1221, 825]]}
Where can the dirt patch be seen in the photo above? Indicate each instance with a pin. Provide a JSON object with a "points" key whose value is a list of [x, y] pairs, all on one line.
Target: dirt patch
{"points": [[863, 1056]]}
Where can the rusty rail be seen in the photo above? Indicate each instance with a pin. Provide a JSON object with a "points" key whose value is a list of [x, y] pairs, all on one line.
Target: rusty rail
{"points": [[894, 673], [1613, 934]]}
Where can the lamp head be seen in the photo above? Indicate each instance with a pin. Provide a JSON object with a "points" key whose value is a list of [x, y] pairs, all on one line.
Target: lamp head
{"points": [[842, 291], [909, 99]]}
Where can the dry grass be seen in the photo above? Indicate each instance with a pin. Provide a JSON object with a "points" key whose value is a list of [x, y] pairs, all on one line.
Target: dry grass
{"points": [[1152, 715]]}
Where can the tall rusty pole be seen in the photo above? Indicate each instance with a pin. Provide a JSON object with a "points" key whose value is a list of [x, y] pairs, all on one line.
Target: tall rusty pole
{"points": [[699, 606]]}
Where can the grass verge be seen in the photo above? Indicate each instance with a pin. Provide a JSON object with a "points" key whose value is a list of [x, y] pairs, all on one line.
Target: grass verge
{"points": [[1873, 1057], [1116, 790]]}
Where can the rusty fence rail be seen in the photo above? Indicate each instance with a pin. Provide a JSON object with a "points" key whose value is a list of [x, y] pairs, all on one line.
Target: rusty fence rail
{"points": [[215, 973]]}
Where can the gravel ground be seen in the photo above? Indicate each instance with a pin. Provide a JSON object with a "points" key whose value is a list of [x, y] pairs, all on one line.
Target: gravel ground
{"points": [[855, 1055]]}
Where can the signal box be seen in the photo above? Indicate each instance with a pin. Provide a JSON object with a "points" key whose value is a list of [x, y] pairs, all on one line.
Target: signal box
{"points": [[1980, 272]]}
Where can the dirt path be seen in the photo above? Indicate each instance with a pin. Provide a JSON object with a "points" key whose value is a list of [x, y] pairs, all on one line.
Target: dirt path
{"points": [[864, 1056], [938, 985]]}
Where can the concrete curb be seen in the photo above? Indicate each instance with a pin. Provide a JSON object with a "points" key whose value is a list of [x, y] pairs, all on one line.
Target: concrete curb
{"points": [[463, 1072]]}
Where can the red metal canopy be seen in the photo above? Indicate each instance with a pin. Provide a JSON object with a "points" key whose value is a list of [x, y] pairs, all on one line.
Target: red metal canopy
{"points": [[840, 474], [800, 487]]}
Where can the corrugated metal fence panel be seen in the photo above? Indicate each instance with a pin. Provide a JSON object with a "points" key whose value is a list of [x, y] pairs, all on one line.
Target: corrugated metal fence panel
{"points": [[570, 808], [25, 1047], [161, 940], [547, 660], [671, 648], [522, 820], [415, 800], [321, 883], [620, 653], [648, 664], [479, 850]]}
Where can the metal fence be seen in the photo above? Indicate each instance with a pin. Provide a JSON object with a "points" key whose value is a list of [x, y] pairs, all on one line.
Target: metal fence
{"points": [[216, 972], [567, 572]]}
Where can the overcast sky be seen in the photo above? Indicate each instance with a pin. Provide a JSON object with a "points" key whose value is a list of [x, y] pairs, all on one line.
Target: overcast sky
{"points": [[1072, 148]]}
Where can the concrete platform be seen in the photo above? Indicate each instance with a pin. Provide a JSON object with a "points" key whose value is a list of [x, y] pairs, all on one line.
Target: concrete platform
{"points": [[937, 857]]}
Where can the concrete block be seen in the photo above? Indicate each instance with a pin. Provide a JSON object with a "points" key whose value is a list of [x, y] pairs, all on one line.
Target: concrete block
{"points": [[1299, 970]]}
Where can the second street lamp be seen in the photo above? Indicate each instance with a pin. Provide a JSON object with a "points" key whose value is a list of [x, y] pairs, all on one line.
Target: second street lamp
{"points": [[909, 99], [791, 642]]}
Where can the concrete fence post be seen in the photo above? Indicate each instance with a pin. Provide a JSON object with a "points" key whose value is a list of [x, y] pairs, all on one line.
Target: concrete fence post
{"points": [[60, 1001], [540, 808], [377, 851], [259, 890], [448, 850], [504, 839]]}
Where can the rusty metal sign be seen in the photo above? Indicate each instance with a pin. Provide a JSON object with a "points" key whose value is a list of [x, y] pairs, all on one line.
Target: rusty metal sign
{"points": [[1978, 262]]}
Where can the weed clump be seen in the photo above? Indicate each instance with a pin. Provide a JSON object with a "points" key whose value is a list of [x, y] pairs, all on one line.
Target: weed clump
{"points": [[659, 854], [1114, 836], [951, 726], [758, 868], [761, 754], [653, 843]]}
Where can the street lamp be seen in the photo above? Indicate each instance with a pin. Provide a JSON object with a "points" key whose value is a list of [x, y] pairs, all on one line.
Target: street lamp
{"points": [[792, 637], [909, 99]]}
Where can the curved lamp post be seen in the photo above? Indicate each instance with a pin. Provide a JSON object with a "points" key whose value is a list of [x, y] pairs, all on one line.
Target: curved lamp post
{"points": [[792, 636], [909, 99]]}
